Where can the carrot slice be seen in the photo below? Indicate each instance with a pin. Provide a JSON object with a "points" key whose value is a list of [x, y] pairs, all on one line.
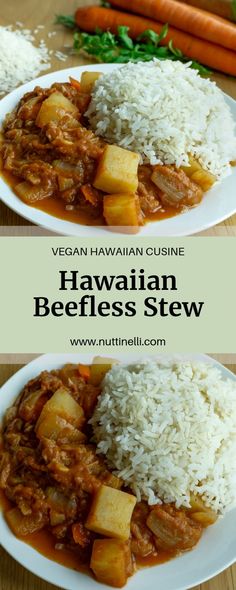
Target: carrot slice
{"points": [[84, 371], [90, 194], [75, 83], [80, 535]]}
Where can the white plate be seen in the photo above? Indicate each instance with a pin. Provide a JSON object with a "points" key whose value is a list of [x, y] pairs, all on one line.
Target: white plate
{"points": [[215, 551], [218, 204]]}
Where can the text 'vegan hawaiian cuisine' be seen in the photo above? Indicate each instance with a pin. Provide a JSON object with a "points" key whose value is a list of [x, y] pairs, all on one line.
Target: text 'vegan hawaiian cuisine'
{"points": [[117, 466], [165, 111], [142, 143]]}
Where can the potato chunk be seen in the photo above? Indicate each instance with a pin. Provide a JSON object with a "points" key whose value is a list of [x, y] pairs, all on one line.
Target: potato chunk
{"points": [[55, 427], [117, 170], [205, 518], [63, 404], [108, 562], [197, 504], [87, 81], [99, 368], [200, 513], [111, 512], [204, 179], [54, 108], [122, 210], [197, 174]]}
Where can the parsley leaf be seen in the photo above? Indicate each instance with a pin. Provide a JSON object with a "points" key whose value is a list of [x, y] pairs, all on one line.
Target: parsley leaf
{"points": [[106, 47], [234, 9], [66, 20]]}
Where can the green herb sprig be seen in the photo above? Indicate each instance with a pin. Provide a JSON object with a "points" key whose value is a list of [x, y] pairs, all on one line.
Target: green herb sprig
{"points": [[66, 19], [234, 9], [106, 47]]}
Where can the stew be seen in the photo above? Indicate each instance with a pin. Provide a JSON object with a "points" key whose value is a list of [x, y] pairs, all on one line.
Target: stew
{"points": [[53, 161], [59, 496]]}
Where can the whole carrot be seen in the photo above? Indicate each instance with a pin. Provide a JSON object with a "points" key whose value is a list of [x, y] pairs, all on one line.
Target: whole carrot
{"points": [[209, 54], [187, 18], [223, 8]]}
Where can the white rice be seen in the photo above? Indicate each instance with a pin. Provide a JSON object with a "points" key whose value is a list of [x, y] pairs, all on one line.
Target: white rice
{"points": [[165, 111], [20, 60], [168, 430]]}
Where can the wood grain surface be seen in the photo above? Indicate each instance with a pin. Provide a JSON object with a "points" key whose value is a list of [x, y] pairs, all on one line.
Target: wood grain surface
{"points": [[33, 13], [14, 577]]}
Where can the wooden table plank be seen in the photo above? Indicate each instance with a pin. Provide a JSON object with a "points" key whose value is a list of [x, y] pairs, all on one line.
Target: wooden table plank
{"points": [[28, 12], [14, 577]]}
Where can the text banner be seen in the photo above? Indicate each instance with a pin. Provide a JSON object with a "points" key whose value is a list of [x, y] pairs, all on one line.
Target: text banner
{"points": [[63, 294]]}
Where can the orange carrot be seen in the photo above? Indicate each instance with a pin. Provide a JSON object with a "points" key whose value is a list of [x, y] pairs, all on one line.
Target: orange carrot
{"points": [[75, 83], [80, 534], [221, 7], [90, 194], [209, 54], [84, 371], [187, 18]]}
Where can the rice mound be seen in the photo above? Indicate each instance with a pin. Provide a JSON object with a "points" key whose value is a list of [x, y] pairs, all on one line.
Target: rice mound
{"points": [[168, 430], [164, 111]]}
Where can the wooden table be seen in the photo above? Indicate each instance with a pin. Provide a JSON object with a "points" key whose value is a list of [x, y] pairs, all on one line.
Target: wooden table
{"points": [[14, 577], [32, 13]]}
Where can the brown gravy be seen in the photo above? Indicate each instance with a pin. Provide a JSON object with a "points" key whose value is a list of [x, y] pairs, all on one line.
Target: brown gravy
{"points": [[44, 542], [56, 208]]}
